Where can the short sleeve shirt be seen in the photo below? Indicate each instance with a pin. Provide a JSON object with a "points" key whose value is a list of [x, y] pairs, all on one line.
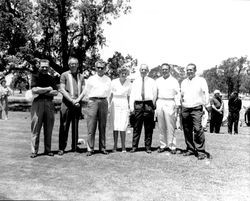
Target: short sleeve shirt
{"points": [[43, 80]]}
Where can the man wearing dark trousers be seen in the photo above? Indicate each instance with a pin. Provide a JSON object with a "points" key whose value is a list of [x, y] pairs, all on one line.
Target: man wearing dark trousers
{"points": [[234, 107], [71, 85], [194, 95], [142, 104], [42, 108]]}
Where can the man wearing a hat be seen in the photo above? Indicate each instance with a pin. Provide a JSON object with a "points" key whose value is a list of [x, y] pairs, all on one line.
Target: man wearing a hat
{"points": [[216, 112], [42, 109]]}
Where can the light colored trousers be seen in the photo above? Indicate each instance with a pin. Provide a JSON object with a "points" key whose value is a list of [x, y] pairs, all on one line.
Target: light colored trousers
{"points": [[97, 115], [165, 110]]}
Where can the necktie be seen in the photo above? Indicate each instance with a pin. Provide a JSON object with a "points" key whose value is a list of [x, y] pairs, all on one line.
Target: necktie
{"points": [[143, 90]]}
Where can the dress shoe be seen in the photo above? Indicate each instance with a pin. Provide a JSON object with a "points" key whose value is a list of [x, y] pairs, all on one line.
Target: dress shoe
{"points": [[33, 155], [77, 149], [49, 153], [133, 150], [89, 153], [173, 151], [60, 152], [160, 150], [188, 153], [148, 151], [201, 156], [104, 152]]}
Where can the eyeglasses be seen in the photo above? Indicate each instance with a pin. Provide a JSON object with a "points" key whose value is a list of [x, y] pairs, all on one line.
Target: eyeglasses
{"points": [[100, 68], [73, 64]]}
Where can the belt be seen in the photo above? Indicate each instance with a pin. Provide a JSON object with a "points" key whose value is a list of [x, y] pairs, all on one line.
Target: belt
{"points": [[165, 98], [143, 101], [97, 98]]}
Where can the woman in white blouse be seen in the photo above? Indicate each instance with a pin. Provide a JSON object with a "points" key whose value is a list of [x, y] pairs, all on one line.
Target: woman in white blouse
{"points": [[120, 91]]}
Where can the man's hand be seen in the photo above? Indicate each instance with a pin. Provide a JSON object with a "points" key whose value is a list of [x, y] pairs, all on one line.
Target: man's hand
{"points": [[75, 102], [49, 88]]}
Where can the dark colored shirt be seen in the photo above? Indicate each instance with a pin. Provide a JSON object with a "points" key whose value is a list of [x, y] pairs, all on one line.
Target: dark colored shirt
{"points": [[234, 104], [43, 80], [247, 115], [216, 102]]}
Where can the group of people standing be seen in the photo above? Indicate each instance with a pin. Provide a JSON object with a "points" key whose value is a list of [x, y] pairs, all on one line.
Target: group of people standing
{"points": [[144, 99], [217, 112]]}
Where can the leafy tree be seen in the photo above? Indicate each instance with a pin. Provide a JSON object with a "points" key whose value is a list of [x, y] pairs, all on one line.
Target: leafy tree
{"points": [[176, 71], [57, 29], [229, 76], [15, 20], [117, 61]]}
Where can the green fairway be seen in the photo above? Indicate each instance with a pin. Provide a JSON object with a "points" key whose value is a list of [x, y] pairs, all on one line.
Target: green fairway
{"points": [[122, 176]]}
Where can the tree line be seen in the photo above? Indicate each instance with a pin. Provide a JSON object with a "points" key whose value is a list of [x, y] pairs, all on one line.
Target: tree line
{"points": [[58, 29]]}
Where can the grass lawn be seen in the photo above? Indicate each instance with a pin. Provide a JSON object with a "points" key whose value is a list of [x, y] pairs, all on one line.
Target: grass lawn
{"points": [[122, 176]]}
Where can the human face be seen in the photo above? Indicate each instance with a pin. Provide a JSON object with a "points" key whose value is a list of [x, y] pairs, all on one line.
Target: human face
{"points": [[144, 70], [73, 65], [123, 75], [165, 71], [44, 68], [100, 69], [190, 71], [3, 83]]}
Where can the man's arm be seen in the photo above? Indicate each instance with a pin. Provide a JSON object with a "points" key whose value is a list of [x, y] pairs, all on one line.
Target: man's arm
{"points": [[155, 91], [52, 93], [41, 90], [65, 93]]}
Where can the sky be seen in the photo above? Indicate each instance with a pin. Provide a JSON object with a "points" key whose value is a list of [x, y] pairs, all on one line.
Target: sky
{"points": [[204, 32]]}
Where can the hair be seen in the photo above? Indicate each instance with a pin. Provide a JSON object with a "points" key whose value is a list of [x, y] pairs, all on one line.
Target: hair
{"points": [[44, 61], [122, 69], [192, 64], [100, 62], [166, 64], [71, 58], [144, 65]]}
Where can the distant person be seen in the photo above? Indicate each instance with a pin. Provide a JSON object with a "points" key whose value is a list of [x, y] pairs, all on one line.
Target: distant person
{"points": [[71, 86], [234, 107], [5, 92], [194, 96], [205, 116], [42, 108], [247, 116], [98, 89], [167, 108], [142, 104], [120, 92], [217, 108]]}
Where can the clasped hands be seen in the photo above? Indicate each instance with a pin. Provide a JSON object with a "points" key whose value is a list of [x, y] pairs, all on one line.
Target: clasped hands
{"points": [[76, 102]]}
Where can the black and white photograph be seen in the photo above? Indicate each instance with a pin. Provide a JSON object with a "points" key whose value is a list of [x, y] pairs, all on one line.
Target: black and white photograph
{"points": [[125, 100]]}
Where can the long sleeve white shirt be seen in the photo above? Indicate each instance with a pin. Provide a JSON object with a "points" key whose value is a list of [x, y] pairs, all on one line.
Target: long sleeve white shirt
{"points": [[150, 90], [168, 88], [97, 86], [194, 92]]}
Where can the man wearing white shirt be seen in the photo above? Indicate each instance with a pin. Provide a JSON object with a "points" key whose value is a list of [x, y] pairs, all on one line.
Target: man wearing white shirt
{"points": [[142, 104], [167, 108], [194, 95], [97, 90]]}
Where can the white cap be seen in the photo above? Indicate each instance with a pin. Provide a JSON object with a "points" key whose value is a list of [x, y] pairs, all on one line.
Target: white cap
{"points": [[216, 91]]}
